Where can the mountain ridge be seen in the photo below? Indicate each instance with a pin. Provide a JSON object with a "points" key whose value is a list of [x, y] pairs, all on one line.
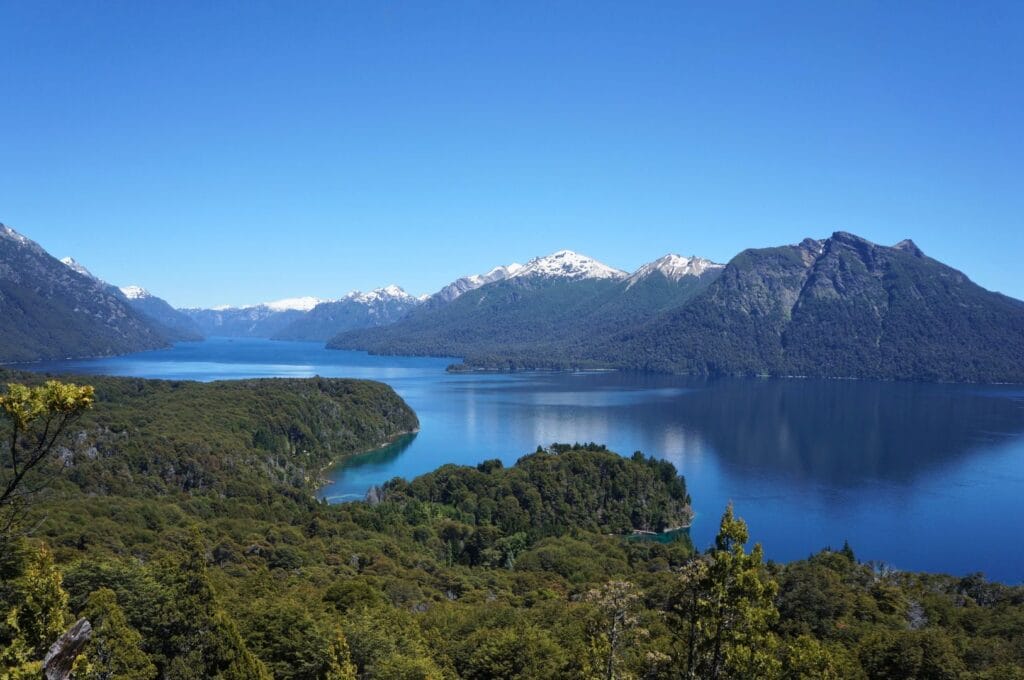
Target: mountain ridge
{"points": [[48, 310], [837, 307]]}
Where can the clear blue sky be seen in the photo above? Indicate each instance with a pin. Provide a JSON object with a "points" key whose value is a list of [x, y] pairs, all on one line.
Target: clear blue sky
{"points": [[237, 152]]}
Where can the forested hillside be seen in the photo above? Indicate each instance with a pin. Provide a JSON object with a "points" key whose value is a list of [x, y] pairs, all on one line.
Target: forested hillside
{"points": [[183, 526], [178, 326], [840, 307], [545, 321]]}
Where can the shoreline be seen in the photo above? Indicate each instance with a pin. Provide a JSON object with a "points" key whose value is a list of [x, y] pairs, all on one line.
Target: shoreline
{"points": [[321, 480]]}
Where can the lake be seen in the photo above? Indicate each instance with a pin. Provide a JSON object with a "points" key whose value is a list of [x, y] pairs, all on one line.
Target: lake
{"points": [[919, 476]]}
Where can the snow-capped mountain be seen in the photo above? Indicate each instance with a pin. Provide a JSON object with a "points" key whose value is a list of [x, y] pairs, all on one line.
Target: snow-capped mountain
{"points": [[134, 292], [391, 292], [178, 325], [302, 304], [170, 322], [537, 302], [293, 304], [468, 283], [674, 267], [11, 235], [377, 307], [77, 266], [310, 315], [566, 264], [251, 321]]}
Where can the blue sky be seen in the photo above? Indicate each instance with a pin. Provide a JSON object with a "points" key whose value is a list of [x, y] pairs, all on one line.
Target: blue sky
{"points": [[231, 153]]}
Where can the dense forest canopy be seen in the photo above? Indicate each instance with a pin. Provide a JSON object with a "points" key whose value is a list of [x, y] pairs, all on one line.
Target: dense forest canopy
{"points": [[184, 527]]}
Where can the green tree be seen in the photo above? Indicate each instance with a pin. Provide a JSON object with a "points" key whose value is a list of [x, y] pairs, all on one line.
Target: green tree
{"points": [[294, 644], [35, 604], [805, 658], [387, 643], [199, 639], [37, 418], [115, 651], [725, 610], [910, 655], [510, 653]]}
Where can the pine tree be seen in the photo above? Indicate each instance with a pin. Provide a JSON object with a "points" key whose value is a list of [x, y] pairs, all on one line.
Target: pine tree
{"points": [[115, 652], [725, 607], [199, 639]]}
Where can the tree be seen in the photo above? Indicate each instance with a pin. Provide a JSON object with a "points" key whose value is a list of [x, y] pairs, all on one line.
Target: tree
{"points": [[725, 608], [805, 658], [510, 652], [911, 655], [38, 417], [115, 652], [33, 607], [198, 638], [294, 644], [618, 607]]}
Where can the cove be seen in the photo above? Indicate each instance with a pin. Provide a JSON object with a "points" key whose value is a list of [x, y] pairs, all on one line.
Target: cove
{"points": [[919, 476]]}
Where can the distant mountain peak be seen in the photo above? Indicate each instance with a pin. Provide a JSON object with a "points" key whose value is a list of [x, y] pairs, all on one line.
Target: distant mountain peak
{"points": [[389, 292], [674, 267], [474, 281], [566, 264], [845, 237], [848, 237], [302, 304], [297, 304], [909, 246], [76, 266], [8, 233], [135, 292]]}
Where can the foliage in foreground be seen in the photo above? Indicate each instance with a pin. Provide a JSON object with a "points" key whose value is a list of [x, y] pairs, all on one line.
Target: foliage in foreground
{"points": [[233, 570]]}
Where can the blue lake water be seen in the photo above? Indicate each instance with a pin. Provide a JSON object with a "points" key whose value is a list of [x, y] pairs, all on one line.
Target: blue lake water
{"points": [[920, 476]]}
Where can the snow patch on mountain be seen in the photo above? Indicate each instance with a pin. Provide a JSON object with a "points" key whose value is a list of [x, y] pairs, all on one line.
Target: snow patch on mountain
{"points": [[9, 233], [297, 304], [474, 281], [135, 292], [76, 266], [384, 294], [674, 267], [301, 304], [566, 264]]}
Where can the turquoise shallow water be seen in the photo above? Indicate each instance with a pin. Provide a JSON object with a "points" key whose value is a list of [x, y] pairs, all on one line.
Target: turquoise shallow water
{"points": [[924, 477]]}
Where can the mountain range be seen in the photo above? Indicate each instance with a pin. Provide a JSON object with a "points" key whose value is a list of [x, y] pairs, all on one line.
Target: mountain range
{"points": [[545, 309], [378, 307], [176, 324], [835, 307], [168, 321]]}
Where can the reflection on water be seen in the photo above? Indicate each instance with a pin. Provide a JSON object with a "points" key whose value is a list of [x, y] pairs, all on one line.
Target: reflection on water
{"points": [[910, 474], [837, 432]]}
